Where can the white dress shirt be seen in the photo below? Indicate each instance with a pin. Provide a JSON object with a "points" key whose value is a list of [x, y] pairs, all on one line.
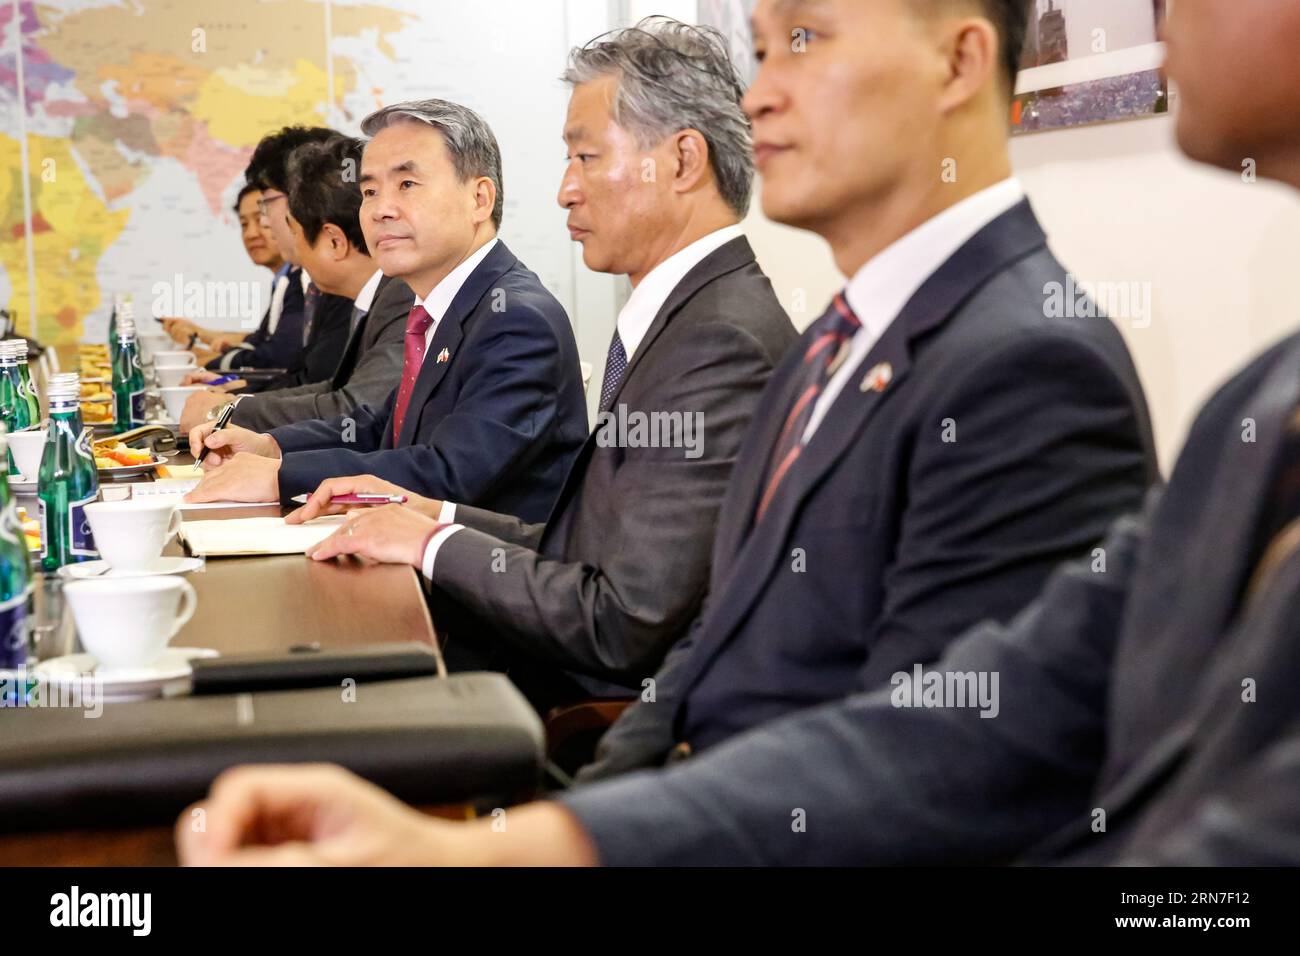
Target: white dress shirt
{"points": [[880, 289], [634, 320], [437, 302], [366, 297], [650, 294]]}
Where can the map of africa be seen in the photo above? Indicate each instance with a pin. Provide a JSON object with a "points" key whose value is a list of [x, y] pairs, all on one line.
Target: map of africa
{"points": [[139, 117]]}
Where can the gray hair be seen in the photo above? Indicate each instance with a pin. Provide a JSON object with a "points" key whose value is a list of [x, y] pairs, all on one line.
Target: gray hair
{"points": [[471, 142], [673, 76]]}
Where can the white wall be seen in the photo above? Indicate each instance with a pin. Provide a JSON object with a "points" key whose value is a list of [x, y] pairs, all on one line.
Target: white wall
{"points": [[1119, 203]]}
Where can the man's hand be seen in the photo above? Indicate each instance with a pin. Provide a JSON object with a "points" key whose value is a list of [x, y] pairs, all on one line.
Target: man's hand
{"points": [[180, 329], [307, 815], [321, 815], [200, 377], [197, 406], [243, 478], [389, 534], [319, 502], [220, 343], [229, 441]]}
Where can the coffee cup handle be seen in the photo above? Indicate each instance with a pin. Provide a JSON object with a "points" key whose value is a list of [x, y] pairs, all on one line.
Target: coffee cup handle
{"points": [[189, 603], [174, 526]]}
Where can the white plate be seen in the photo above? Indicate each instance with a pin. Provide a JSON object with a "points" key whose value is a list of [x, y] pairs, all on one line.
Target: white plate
{"points": [[164, 565], [166, 677], [132, 471], [22, 486]]}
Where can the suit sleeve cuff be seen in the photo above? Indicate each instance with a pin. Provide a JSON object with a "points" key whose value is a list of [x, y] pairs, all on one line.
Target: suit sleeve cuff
{"points": [[440, 535]]}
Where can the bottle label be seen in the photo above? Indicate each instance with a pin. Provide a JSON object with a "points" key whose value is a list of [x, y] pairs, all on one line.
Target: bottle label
{"points": [[81, 542], [137, 408], [13, 632], [82, 446], [44, 526]]}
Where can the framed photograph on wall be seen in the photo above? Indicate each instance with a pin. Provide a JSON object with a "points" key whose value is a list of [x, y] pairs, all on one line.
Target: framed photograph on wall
{"points": [[1090, 61]]}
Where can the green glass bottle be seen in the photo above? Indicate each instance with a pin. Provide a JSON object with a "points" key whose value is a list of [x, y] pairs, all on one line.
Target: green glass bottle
{"points": [[128, 381], [28, 383], [112, 327], [14, 411], [67, 481], [15, 579]]}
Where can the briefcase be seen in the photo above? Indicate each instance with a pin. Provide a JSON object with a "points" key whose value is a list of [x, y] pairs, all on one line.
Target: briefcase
{"points": [[429, 741]]}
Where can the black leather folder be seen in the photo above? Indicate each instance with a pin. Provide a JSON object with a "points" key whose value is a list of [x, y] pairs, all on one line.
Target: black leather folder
{"points": [[427, 740], [312, 667]]}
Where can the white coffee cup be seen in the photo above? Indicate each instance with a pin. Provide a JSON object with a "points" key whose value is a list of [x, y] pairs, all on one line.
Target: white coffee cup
{"points": [[128, 622], [28, 446], [130, 535], [175, 398], [152, 343], [169, 376], [172, 359]]}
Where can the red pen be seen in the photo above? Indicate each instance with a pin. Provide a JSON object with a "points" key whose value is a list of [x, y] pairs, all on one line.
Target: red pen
{"points": [[359, 499]]}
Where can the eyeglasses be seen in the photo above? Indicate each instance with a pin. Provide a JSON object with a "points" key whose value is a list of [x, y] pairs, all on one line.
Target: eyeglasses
{"points": [[264, 205]]}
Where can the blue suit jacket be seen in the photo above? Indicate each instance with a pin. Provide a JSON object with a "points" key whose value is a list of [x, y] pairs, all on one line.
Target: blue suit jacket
{"points": [[1122, 689], [496, 425], [1005, 443]]}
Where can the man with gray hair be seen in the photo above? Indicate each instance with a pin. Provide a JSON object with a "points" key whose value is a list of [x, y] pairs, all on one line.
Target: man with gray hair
{"points": [[660, 173], [495, 414]]}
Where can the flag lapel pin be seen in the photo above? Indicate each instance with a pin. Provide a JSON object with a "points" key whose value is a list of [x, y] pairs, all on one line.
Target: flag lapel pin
{"points": [[878, 378], [443, 356]]}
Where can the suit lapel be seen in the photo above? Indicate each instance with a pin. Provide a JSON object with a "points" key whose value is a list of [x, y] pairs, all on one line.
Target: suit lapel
{"points": [[1007, 239], [449, 334], [348, 360], [728, 257]]}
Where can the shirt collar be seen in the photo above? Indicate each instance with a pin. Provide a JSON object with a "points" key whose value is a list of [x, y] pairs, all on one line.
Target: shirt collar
{"points": [[637, 314], [880, 289], [437, 302], [366, 297]]}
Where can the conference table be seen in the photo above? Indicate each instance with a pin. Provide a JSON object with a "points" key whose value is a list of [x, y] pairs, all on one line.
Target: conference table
{"points": [[248, 605]]}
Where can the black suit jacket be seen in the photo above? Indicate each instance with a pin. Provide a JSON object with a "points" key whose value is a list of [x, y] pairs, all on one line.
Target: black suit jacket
{"points": [[619, 569], [1004, 443], [496, 416], [369, 369], [322, 348], [1147, 709]]}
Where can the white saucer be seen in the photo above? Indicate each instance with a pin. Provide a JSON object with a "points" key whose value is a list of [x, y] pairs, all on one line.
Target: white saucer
{"points": [[166, 677], [163, 565], [22, 486]]}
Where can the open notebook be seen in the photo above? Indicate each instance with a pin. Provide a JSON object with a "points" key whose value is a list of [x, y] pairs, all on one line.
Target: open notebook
{"points": [[176, 488], [250, 536]]}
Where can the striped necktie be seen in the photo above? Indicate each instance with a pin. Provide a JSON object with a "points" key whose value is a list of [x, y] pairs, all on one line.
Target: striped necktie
{"points": [[830, 333]]}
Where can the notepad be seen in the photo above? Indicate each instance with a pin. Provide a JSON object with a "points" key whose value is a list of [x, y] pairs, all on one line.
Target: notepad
{"points": [[179, 487], [255, 536]]}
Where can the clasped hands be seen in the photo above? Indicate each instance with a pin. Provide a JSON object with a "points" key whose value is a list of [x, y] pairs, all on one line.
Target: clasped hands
{"points": [[243, 465]]}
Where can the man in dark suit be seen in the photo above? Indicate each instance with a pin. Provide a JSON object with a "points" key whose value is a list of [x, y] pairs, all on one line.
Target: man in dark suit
{"points": [[324, 204], [596, 595], [1147, 712], [279, 339], [489, 408]]}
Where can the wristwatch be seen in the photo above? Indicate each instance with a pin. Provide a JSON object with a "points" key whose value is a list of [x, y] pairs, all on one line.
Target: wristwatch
{"points": [[215, 411]]}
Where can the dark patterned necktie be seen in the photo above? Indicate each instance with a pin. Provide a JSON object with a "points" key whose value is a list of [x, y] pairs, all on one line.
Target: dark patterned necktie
{"points": [[830, 333], [311, 302], [615, 366]]}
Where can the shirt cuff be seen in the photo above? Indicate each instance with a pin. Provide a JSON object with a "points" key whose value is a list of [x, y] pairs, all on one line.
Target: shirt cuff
{"points": [[448, 513], [436, 542]]}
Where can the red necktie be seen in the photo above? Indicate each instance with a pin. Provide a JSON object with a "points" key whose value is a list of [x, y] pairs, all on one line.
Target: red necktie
{"points": [[833, 329], [417, 323]]}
